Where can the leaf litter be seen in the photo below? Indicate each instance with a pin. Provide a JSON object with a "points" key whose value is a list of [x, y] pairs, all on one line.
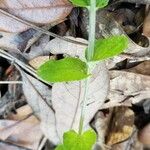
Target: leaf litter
{"points": [[41, 97]]}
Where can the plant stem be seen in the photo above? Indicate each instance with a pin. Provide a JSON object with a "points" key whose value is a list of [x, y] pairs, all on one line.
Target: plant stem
{"points": [[90, 53], [83, 106], [92, 24]]}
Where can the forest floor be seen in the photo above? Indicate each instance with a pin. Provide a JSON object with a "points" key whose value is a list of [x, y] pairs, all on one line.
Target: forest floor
{"points": [[33, 32]]}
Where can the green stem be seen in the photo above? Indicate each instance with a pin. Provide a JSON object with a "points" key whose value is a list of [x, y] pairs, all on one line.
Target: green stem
{"points": [[90, 53], [92, 24], [83, 106]]}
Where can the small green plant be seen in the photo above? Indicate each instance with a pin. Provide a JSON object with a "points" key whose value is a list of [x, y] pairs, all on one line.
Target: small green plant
{"points": [[74, 69]]}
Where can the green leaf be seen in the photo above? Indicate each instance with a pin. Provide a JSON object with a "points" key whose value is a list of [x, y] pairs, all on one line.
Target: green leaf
{"points": [[101, 3], [67, 69], [86, 3], [80, 3], [107, 48], [74, 141], [60, 147]]}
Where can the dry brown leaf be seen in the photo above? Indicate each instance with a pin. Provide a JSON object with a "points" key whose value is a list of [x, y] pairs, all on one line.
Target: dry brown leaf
{"points": [[129, 86], [38, 61], [144, 135], [130, 144], [146, 27], [57, 46], [17, 133], [121, 125], [22, 113], [39, 98], [37, 49], [18, 42], [36, 11], [142, 68], [6, 146]]}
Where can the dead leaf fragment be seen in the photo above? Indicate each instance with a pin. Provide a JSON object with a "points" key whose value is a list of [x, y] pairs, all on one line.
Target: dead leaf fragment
{"points": [[17, 128], [38, 96], [38, 61], [146, 27], [144, 135], [129, 86], [143, 68], [5, 146], [17, 133], [36, 11], [22, 113], [121, 125]]}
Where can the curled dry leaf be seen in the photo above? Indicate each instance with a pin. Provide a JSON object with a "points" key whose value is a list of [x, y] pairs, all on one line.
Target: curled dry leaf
{"points": [[121, 125], [67, 97], [129, 86], [36, 11]]}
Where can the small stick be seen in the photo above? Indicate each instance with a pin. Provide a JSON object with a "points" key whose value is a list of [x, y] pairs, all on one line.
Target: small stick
{"points": [[11, 82], [42, 143]]}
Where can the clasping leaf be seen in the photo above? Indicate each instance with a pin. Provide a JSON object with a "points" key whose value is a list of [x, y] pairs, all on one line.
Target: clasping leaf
{"points": [[67, 69], [109, 47], [86, 3], [75, 141]]}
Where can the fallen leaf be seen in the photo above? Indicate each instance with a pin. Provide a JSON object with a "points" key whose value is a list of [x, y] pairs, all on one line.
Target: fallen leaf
{"points": [[22, 113], [37, 49], [144, 135], [6, 146], [38, 96], [35, 11], [57, 46], [129, 86], [142, 68], [17, 128], [17, 133], [146, 27], [38, 61], [130, 144], [121, 125]]}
